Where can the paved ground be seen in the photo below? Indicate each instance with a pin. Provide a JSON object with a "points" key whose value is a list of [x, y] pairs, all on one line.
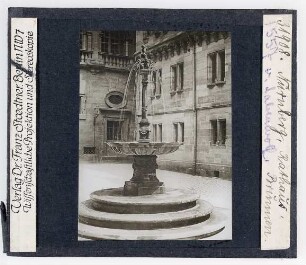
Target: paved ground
{"points": [[218, 192]]}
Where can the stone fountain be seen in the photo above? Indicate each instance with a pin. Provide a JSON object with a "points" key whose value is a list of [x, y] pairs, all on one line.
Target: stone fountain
{"points": [[144, 208]]}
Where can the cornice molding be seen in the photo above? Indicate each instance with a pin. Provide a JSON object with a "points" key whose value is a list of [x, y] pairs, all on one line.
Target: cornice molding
{"points": [[182, 42]]}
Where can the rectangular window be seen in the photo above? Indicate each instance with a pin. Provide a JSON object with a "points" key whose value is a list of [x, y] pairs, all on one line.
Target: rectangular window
{"points": [[175, 126], [218, 131], [104, 41], [126, 48], [114, 130], [159, 82], [129, 43], [83, 41], [211, 68], [222, 132], [154, 83], [221, 66], [179, 133], [154, 133], [216, 67], [180, 82], [82, 102], [160, 132], [182, 132], [214, 131], [177, 77], [117, 43], [86, 41], [157, 132], [173, 78], [89, 41]]}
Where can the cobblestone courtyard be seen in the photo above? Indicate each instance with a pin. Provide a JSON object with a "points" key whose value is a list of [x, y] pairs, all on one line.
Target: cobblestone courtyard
{"points": [[96, 176]]}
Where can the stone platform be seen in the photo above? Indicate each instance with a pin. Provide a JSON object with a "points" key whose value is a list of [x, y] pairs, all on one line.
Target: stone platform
{"points": [[176, 214]]}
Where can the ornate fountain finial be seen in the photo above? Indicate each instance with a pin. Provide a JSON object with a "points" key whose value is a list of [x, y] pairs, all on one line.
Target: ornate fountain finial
{"points": [[144, 57]]}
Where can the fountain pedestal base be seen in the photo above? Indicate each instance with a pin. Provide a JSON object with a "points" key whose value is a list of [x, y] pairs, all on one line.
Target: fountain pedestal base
{"points": [[138, 189], [176, 214], [144, 180]]}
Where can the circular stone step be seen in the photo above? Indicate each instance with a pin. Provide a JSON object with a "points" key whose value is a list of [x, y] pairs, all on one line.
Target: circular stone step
{"points": [[112, 200], [210, 227], [90, 216]]}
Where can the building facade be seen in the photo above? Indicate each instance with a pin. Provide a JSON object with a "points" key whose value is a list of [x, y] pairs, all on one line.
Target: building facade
{"points": [[107, 100], [188, 96], [190, 99]]}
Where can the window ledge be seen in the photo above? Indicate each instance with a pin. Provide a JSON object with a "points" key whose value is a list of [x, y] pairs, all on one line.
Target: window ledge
{"points": [[216, 83], [114, 54], [82, 116], [180, 91], [86, 51], [217, 145], [220, 83]]}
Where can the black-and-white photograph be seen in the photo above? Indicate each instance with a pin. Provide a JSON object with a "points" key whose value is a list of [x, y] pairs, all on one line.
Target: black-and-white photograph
{"points": [[155, 135]]}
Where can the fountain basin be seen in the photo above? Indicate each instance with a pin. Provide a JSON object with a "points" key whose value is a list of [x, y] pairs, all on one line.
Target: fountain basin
{"points": [[136, 148]]}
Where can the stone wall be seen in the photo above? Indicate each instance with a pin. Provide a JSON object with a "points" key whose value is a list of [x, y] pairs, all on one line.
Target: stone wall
{"points": [[199, 102], [102, 73], [195, 105], [95, 86]]}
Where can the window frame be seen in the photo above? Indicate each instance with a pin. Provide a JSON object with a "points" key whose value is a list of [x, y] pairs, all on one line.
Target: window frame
{"points": [[173, 75], [86, 42], [222, 135], [160, 132], [182, 128], [82, 102], [115, 135], [214, 131], [154, 132], [116, 43], [216, 68], [217, 136], [175, 127], [179, 133], [177, 77], [180, 76]]}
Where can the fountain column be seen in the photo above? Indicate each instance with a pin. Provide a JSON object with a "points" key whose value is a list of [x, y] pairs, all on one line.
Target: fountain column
{"points": [[144, 180], [144, 129]]}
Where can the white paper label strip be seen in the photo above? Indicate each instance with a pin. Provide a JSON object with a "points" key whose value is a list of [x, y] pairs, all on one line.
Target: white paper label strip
{"points": [[276, 132], [23, 135]]}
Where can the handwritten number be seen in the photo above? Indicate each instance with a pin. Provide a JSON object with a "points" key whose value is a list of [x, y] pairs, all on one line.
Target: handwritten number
{"points": [[281, 23], [284, 52]]}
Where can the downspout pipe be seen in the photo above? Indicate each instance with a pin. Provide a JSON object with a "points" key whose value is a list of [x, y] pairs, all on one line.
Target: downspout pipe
{"points": [[195, 113]]}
